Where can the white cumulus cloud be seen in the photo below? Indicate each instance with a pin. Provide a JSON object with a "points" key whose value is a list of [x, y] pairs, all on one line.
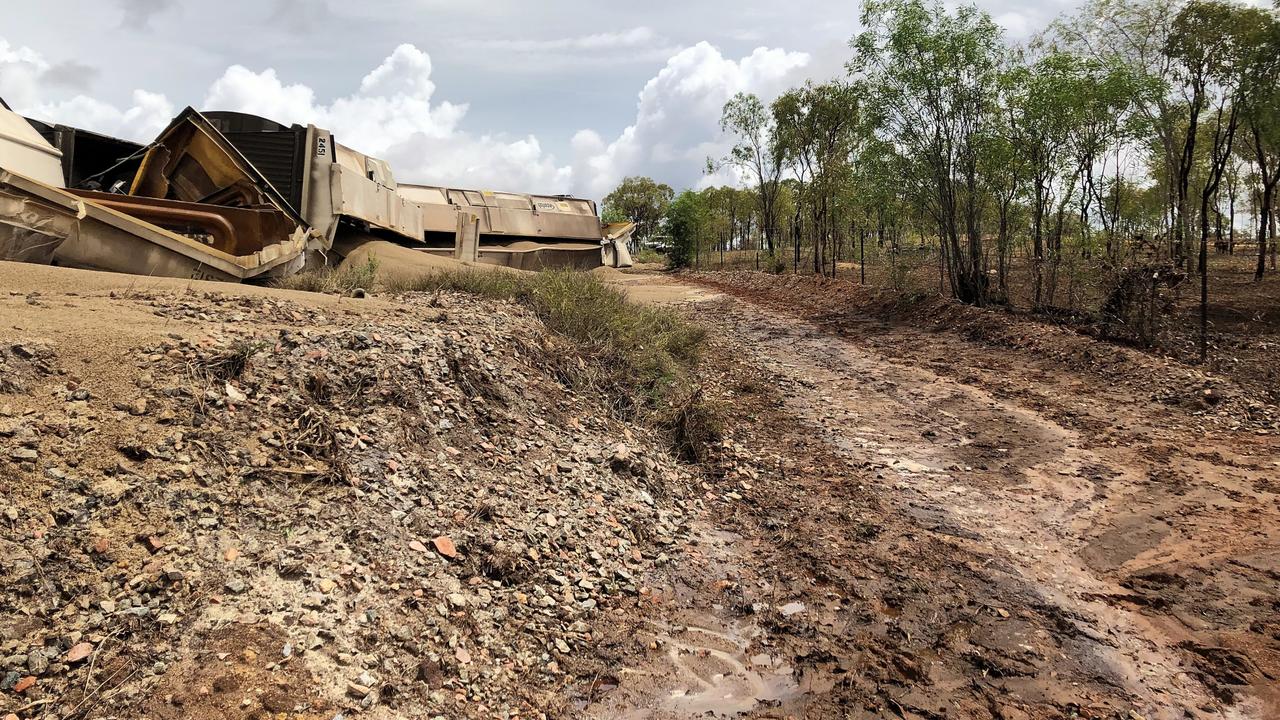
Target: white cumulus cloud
{"points": [[677, 123], [25, 75], [394, 114]]}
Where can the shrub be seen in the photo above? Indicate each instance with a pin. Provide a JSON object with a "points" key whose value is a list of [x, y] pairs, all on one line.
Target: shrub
{"points": [[341, 280], [642, 357]]}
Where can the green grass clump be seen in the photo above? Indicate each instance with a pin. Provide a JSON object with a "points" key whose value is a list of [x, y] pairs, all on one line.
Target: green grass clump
{"points": [[643, 357], [340, 280], [645, 254]]}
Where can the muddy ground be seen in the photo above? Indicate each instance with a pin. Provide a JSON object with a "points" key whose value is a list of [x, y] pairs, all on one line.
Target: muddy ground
{"points": [[977, 518], [980, 528]]}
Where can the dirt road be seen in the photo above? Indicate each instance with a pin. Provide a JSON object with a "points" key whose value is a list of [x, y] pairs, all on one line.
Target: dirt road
{"points": [[1112, 557]]}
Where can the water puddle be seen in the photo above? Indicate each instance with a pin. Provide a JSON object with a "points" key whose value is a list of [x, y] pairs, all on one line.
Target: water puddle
{"points": [[712, 674]]}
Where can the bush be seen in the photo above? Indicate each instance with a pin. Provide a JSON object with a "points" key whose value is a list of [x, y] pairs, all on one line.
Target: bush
{"points": [[642, 357], [645, 254], [341, 280]]}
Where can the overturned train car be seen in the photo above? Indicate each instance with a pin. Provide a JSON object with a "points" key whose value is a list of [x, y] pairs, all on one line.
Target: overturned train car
{"points": [[230, 196]]}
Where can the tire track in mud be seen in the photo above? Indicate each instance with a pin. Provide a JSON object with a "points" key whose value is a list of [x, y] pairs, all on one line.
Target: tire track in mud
{"points": [[1005, 480]]}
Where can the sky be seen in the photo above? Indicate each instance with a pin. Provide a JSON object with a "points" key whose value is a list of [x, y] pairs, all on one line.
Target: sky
{"points": [[548, 96]]}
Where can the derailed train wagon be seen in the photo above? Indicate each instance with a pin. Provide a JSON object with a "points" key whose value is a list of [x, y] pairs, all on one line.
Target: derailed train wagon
{"points": [[258, 199], [343, 194]]}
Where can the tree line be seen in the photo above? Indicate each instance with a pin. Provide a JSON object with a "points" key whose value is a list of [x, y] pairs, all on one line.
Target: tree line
{"points": [[1116, 147]]}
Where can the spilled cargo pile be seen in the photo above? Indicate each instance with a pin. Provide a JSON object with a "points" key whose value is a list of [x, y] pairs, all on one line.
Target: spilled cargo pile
{"points": [[291, 510], [235, 197]]}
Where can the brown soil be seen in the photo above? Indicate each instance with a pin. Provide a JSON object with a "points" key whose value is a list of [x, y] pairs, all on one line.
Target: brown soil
{"points": [[912, 512], [984, 528]]}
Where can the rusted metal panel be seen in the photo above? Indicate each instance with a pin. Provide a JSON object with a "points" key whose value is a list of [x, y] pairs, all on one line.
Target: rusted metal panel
{"points": [[192, 161], [42, 223], [235, 231]]}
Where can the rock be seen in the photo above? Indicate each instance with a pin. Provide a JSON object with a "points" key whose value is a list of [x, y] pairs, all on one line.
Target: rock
{"points": [[457, 600], [356, 690], [24, 684], [234, 394], [791, 608], [445, 547], [235, 586], [78, 652], [417, 546], [621, 457], [24, 455], [37, 662]]}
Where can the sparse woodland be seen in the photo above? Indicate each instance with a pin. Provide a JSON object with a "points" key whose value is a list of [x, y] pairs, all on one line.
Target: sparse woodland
{"points": [[1119, 169]]}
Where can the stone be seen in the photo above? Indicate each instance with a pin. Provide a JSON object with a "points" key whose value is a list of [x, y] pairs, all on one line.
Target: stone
{"points": [[234, 394], [78, 652], [445, 547], [356, 690], [24, 455], [37, 662], [24, 684]]}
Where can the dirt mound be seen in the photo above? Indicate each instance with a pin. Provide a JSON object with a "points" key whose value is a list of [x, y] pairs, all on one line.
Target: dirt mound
{"points": [[399, 262], [278, 508]]}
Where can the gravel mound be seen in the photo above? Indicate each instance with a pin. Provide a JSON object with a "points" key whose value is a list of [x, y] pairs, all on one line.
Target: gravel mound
{"points": [[306, 515]]}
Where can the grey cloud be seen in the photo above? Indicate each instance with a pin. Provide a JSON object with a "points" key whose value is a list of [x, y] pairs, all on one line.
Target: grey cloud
{"points": [[70, 74], [138, 13], [303, 16]]}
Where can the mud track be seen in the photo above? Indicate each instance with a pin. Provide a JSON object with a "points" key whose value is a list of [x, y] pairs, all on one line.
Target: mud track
{"points": [[1042, 542]]}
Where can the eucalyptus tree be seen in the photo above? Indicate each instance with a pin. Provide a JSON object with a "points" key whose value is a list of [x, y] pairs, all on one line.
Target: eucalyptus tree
{"points": [[1107, 124], [1262, 115], [687, 220], [1218, 48], [1133, 34], [641, 200], [817, 127], [1044, 101], [932, 77], [757, 154]]}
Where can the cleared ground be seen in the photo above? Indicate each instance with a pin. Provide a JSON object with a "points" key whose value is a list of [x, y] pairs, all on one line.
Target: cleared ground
{"points": [[959, 515]]}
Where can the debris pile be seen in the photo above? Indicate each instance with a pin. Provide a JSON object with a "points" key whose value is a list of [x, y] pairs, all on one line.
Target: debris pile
{"points": [[320, 514]]}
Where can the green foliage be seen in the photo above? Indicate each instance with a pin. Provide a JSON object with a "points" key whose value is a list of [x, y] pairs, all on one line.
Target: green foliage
{"points": [[686, 221], [635, 351], [647, 255], [641, 201], [757, 154], [341, 280], [930, 78]]}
